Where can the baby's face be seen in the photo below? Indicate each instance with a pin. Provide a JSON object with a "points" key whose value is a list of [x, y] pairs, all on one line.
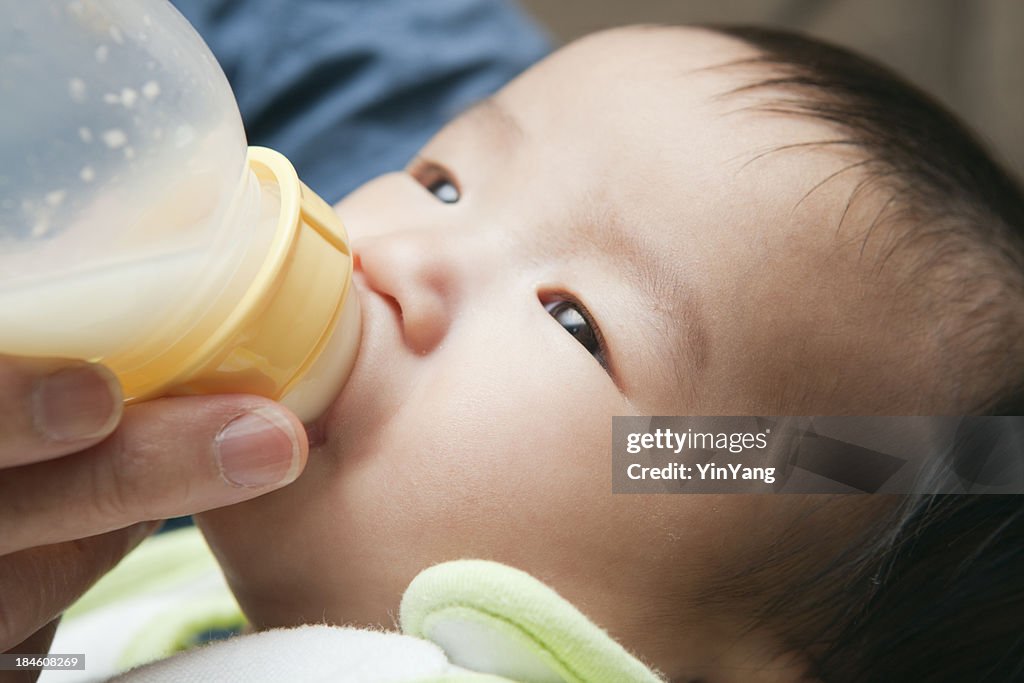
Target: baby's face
{"points": [[614, 249]]}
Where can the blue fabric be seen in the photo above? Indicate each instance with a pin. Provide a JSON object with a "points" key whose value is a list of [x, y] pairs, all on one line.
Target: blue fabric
{"points": [[350, 89]]}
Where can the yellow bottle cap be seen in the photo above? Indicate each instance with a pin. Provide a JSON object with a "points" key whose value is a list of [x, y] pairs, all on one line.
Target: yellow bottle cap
{"points": [[275, 327]]}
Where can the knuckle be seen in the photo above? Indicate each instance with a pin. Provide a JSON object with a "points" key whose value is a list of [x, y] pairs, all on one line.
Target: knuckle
{"points": [[16, 505], [113, 497], [124, 489]]}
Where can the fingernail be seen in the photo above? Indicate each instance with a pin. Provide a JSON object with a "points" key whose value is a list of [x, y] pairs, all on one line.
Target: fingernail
{"points": [[258, 449], [75, 403]]}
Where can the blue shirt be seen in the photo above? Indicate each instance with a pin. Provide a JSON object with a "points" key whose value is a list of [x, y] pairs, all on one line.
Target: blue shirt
{"points": [[350, 89]]}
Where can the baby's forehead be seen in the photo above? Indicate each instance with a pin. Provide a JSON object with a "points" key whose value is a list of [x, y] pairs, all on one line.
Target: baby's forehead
{"points": [[686, 93], [663, 121], [669, 67], [679, 49]]}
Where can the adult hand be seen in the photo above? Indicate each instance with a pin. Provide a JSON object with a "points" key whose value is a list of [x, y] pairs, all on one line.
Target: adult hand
{"points": [[81, 477]]}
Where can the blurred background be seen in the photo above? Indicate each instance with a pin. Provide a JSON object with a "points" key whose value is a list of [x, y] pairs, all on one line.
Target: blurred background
{"points": [[967, 53]]}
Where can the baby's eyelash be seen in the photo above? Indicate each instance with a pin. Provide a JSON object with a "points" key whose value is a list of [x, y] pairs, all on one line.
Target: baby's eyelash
{"points": [[437, 180], [591, 337]]}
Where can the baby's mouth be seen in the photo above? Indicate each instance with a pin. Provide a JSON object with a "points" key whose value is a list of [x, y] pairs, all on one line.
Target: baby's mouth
{"points": [[315, 433], [363, 378]]}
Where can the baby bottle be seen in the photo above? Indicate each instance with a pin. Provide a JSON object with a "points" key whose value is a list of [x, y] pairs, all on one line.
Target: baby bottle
{"points": [[137, 229]]}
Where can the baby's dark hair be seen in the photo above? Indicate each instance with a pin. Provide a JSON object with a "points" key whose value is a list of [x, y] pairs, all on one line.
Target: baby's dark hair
{"points": [[935, 590], [951, 211]]}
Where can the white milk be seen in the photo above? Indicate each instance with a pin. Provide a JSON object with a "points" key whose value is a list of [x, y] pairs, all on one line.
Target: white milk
{"points": [[97, 312], [93, 314]]}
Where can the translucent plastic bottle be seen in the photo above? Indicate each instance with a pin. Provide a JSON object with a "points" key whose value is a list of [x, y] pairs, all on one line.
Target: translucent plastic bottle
{"points": [[136, 227]]}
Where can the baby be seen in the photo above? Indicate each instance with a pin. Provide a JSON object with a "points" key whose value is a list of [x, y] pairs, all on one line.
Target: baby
{"points": [[657, 221]]}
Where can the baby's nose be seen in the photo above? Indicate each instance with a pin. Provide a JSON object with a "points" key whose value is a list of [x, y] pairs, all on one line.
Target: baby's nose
{"points": [[419, 273]]}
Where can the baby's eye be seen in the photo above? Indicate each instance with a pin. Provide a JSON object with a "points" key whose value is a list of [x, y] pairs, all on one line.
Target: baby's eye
{"points": [[577, 322], [444, 190], [436, 179]]}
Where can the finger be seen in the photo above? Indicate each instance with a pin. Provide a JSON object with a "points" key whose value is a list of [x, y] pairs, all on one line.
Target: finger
{"points": [[36, 644], [38, 584], [169, 457], [53, 406]]}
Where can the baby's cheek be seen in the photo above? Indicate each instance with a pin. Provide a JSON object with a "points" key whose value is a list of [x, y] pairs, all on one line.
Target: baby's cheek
{"points": [[502, 450]]}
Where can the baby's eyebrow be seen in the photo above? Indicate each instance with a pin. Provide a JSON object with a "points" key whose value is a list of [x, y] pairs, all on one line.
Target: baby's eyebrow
{"points": [[490, 111]]}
